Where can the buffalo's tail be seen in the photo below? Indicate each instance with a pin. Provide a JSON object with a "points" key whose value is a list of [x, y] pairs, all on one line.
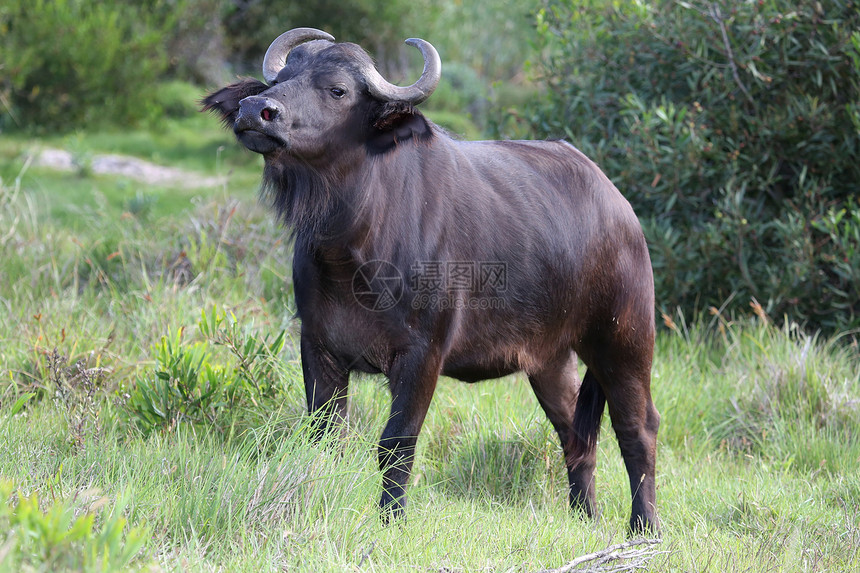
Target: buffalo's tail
{"points": [[586, 421]]}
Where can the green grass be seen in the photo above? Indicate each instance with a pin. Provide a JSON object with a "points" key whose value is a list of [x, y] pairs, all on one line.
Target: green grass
{"points": [[759, 443]]}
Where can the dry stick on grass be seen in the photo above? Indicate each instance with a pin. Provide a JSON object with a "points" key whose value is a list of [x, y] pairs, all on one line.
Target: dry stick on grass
{"points": [[635, 558]]}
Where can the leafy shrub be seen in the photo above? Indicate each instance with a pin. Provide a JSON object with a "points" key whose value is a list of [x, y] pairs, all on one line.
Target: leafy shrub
{"points": [[71, 63], [733, 128], [185, 386], [190, 385], [63, 538], [256, 360]]}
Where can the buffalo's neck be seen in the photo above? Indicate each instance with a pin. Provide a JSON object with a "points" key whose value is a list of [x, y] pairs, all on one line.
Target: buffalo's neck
{"points": [[314, 203], [385, 206]]}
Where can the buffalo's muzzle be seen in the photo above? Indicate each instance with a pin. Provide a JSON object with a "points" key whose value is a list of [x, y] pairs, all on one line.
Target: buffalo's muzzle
{"points": [[255, 112], [254, 123]]}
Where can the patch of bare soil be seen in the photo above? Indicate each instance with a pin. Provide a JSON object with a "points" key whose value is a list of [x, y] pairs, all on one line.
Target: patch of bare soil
{"points": [[125, 166]]}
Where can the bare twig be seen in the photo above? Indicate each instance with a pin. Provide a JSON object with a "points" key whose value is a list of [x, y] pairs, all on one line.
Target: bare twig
{"points": [[367, 553], [608, 560], [716, 14]]}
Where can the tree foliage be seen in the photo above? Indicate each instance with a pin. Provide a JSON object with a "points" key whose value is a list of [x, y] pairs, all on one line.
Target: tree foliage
{"points": [[75, 63], [71, 64], [733, 128], [377, 25]]}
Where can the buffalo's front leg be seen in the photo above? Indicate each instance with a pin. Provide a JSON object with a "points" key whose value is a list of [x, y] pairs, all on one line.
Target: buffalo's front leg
{"points": [[412, 381], [326, 385]]}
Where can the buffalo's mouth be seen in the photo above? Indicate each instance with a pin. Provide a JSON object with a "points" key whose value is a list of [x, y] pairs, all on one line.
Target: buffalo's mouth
{"points": [[257, 140]]}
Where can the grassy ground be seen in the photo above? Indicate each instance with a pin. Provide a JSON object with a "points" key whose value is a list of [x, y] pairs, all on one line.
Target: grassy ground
{"points": [[104, 283]]}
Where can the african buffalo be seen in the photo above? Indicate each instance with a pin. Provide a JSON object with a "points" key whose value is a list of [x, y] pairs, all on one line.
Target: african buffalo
{"points": [[416, 254]]}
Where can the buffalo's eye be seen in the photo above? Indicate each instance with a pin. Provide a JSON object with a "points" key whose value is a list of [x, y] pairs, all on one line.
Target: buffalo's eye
{"points": [[337, 92]]}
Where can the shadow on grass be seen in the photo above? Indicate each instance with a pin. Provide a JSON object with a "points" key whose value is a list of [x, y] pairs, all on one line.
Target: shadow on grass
{"points": [[515, 470]]}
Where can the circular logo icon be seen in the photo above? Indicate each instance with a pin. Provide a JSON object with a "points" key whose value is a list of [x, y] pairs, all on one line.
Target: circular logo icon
{"points": [[377, 285]]}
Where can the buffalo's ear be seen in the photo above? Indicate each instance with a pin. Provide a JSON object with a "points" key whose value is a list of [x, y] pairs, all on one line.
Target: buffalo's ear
{"points": [[225, 102], [396, 122]]}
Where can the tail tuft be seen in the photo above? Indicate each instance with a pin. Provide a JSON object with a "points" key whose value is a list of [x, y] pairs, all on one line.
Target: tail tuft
{"points": [[586, 421]]}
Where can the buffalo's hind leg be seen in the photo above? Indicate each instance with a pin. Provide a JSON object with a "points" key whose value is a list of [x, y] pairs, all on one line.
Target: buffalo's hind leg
{"points": [[625, 378], [575, 412]]}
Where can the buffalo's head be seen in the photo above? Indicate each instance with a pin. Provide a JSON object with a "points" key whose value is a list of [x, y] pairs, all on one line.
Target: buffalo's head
{"points": [[322, 97]]}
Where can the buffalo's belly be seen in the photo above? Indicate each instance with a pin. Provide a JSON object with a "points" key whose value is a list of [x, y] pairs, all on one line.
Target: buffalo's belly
{"points": [[371, 347], [496, 363], [472, 372], [473, 357]]}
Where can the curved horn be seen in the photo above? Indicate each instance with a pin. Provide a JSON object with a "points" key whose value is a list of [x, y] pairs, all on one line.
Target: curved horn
{"points": [[276, 55], [417, 92]]}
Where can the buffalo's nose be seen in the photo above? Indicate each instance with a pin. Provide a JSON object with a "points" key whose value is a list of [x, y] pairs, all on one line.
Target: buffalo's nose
{"points": [[255, 110]]}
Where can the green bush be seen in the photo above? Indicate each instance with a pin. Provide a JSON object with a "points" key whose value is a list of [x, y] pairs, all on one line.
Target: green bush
{"points": [[62, 537], [733, 130], [185, 387], [67, 64], [191, 385]]}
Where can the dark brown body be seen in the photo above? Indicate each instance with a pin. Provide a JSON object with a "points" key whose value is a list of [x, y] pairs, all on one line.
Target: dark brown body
{"points": [[392, 202]]}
